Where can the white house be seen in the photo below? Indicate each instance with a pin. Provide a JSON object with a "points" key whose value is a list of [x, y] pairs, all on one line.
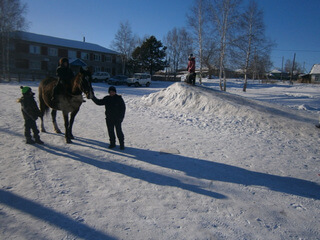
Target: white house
{"points": [[315, 73]]}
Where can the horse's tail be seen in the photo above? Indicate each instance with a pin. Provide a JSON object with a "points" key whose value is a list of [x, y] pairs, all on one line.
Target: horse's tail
{"points": [[43, 106]]}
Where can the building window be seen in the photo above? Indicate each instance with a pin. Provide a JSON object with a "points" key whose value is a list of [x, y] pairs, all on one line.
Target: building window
{"points": [[108, 58], [97, 57], [53, 52], [34, 49], [72, 54], [84, 56], [35, 65]]}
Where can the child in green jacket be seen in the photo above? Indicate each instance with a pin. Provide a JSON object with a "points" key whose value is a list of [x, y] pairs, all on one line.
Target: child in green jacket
{"points": [[30, 112]]}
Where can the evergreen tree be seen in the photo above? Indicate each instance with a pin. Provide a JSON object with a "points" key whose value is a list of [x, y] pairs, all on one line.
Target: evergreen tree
{"points": [[149, 57]]}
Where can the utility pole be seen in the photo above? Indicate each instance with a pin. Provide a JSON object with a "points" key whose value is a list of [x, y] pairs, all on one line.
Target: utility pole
{"points": [[293, 63], [282, 67]]}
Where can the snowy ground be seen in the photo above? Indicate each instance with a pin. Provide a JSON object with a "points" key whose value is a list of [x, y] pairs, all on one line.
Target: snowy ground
{"points": [[198, 164]]}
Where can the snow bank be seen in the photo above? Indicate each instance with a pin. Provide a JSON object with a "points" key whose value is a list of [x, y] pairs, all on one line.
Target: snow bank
{"points": [[228, 107]]}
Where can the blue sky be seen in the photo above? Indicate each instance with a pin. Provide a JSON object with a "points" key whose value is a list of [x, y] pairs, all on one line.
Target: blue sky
{"points": [[293, 24]]}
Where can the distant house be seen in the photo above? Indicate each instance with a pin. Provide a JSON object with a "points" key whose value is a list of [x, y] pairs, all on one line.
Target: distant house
{"points": [[315, 73], [304, 78], [278, 74], [38, 55]]}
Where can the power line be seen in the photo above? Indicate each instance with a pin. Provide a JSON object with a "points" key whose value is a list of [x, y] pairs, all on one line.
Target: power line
{"points": [[294, 50]]}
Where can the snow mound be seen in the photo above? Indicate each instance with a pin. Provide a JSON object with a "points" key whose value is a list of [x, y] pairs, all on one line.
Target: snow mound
{"points": [[183, 97], [202, 101]]}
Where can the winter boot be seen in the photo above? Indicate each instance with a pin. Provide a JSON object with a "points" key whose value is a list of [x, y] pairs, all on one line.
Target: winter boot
{"points": [[29, 141], [122, 145], [112, 145], [38, 140], [318, 125]]}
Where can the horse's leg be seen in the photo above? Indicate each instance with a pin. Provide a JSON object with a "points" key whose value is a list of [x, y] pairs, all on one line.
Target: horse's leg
{"points": [[42, 125], [43, 108], [55, 125], [73, 115], [66, 125]]}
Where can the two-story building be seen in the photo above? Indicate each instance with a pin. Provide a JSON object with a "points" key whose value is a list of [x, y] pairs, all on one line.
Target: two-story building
{"points": [[37, 56]]}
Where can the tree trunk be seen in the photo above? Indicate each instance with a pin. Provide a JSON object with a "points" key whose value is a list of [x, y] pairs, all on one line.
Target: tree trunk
{"points": [[200, 38]]}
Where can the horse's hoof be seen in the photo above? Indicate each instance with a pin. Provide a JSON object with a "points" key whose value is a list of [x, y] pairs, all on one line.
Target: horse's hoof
{"points": [[58, 131], [68, 141], [71, 137], [43, 130]]}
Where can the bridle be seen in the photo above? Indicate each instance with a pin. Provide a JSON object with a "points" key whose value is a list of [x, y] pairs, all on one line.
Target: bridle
{"points": [[85, 84]]}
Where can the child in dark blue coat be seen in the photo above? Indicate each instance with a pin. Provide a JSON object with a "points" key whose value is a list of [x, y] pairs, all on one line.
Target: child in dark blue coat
{"points": [[115, 111]]}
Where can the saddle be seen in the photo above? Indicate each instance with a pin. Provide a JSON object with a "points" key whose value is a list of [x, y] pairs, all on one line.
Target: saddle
{"points": [[61, 89]]}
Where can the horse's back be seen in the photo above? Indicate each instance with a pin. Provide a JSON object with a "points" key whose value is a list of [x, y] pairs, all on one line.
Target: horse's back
{"points": [[48, 82], [45, 91]]}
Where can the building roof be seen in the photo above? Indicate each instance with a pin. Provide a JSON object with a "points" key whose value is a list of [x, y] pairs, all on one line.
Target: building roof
{"points": [[37, 38], [315, 69], [77, 62], [277, 71]]}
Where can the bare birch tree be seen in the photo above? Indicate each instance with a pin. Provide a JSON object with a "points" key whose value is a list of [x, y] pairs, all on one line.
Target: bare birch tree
{"points": [[210, 54], [11, 20], [178, 42], [252, 36], [124, 43], [197, 20], [173, 49], [224, 15]]}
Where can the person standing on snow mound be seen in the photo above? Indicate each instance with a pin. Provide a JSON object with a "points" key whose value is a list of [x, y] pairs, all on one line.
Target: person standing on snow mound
{"points": [[191, 77], [65, 75], [115, 111], [30, 112]]}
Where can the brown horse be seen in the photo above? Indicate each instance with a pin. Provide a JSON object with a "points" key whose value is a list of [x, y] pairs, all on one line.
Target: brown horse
{"points": [[68, 100]]}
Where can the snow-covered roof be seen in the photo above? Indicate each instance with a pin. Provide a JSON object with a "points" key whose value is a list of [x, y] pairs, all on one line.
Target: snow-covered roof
{"points": [[276, 71], [240, 71], [315, 69], [77, 62], [38, 38]]}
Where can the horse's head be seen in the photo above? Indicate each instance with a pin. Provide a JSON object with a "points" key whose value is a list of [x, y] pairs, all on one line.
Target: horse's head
{"points": [[86, 80]]}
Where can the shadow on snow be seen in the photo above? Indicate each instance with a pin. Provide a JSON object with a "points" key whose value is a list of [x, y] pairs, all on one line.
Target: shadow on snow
{"points": [[50, 216], [193, 167]]}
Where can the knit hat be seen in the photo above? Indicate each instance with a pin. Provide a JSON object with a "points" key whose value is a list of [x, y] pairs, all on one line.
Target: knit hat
{"points": [[25, 90], [63, 60], [112, 88]]}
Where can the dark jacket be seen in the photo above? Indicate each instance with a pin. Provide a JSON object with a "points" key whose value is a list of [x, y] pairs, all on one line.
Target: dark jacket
{"points": [[29, 108], [64, 74], [115, 107]]}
